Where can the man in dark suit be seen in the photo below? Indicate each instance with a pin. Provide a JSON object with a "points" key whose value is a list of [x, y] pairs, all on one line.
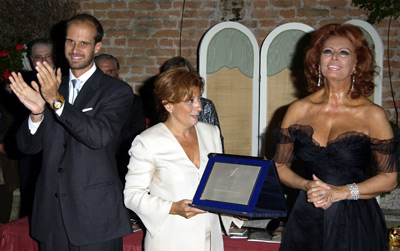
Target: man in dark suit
{"points": [[78, 202]]}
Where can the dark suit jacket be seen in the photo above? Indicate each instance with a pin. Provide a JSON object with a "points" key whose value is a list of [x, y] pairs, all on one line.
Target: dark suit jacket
{"points": [[134, 125], [79, 167]]}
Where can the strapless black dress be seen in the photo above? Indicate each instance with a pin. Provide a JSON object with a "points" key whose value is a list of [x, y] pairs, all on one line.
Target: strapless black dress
{"points": [[348, 224]]}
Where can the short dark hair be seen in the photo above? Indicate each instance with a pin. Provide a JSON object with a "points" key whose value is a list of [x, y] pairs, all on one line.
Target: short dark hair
{"points": [[176, 62], [40, 41], [88, 18], [102, 57]]}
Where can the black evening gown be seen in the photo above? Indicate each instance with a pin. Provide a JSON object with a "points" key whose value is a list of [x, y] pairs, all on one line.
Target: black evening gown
{"points": [[347, 224]]}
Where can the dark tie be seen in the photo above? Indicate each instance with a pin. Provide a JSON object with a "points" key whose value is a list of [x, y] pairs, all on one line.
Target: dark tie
{"points": [[77, 84]]}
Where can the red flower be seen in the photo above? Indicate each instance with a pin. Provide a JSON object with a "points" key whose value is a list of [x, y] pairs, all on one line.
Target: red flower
{"points": [[6, 74], [19, 46], [4, 53]]}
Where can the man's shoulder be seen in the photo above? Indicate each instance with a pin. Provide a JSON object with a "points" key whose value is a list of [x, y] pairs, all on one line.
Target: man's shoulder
{"points": [[106, 82], [114, 82]]}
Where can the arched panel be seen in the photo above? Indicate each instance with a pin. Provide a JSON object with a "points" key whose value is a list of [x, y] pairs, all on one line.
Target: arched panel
{"points": [[228, 62], [282, 79]]}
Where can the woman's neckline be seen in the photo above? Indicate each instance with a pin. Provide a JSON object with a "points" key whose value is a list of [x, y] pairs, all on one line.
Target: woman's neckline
{"points": [[339, 137]]}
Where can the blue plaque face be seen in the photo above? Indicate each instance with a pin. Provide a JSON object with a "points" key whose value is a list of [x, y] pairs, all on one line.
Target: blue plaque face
{"points": [[240, 185]]}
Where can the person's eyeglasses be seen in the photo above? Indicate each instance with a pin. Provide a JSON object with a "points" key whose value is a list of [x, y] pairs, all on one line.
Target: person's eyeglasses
{"points": [[45, 57]]}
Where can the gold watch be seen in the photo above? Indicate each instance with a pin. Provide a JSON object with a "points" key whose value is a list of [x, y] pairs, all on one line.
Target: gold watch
{"points": [[58, 103]]}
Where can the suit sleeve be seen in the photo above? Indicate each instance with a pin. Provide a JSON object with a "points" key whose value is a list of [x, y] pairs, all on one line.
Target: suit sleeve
{"points": [[27, 142]]}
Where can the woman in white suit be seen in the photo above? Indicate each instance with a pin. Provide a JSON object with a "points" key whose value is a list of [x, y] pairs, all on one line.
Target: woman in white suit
{"points": [[166, 165]]}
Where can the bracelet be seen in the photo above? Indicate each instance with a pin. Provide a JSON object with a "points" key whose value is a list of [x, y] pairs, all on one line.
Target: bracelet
{"points": [[37, 113], [354, 192]]}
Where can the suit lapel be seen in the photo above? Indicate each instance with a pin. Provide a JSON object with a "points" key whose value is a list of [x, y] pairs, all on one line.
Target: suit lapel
{"points": [[92, 84]]}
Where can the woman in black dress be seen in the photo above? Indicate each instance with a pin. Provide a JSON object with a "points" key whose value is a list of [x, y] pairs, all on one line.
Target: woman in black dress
{"points": [[337, 132]]}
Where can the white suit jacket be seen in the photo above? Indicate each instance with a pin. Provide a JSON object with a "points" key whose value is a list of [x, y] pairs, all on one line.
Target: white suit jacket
{"points": [[159, 173]]}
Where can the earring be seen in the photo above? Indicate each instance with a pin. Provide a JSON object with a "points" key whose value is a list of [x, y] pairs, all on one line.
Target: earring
{"points": [[353, 80], [319, 77]]}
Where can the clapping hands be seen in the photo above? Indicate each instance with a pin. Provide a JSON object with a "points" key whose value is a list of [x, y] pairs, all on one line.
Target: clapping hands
{"points": [[34, 98], [49, 81], [29, 97]]}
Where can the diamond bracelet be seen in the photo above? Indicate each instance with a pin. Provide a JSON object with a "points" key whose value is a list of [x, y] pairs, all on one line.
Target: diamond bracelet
{"points": [[354, 192]]}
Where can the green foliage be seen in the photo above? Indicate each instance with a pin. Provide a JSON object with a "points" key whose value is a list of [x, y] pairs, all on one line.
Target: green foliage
{"points": [[379, 9]]}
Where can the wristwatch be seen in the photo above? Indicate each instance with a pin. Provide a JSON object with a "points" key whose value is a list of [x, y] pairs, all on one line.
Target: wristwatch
{"points": [[58, 103]]}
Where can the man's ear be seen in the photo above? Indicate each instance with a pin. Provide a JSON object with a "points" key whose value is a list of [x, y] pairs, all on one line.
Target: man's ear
{"points": [[97, 47]]}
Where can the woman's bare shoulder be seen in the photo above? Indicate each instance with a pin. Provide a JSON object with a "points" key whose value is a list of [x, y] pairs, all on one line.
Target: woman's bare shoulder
{"points": [[296, 111], [371, 110], [377, 121]]}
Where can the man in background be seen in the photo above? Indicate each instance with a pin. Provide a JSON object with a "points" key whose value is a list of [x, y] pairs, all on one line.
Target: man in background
{"points": [[108, 64], [39, 50], [136, 122]]}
